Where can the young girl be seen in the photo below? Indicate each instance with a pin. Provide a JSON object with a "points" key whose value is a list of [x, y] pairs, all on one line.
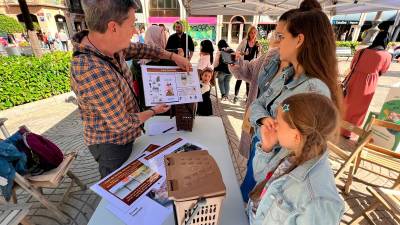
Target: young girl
{"points": [[297, 184], [206, 55], [205, 108]]}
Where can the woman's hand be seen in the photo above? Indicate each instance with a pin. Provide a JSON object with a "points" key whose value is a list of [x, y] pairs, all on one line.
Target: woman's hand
{"points": [[233, 66], [161, 108], [237, 56], [269, 138]]}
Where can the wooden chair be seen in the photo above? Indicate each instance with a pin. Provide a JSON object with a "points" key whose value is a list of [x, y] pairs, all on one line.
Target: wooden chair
{"points": [[378, 155], [14, 214], [389, 198], [49, 179], [348, 150]]}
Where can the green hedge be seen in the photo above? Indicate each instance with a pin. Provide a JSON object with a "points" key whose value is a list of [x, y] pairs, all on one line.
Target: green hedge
{"points": [[10, 25], [351, 44], [26, 79], [264, 45]]}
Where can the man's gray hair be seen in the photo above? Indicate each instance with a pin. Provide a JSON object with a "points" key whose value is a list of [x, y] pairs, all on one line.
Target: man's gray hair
{"points": [[98, 13]]}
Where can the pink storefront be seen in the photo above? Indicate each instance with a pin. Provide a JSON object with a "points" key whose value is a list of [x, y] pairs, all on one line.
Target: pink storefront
{"points": [[201, 27]]}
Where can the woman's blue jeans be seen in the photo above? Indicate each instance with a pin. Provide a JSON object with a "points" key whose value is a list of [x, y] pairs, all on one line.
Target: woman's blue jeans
{"points": [[249, 182], [223, 82]]}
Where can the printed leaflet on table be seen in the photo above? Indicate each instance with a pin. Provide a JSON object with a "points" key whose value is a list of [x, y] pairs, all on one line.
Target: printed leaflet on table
{"points": [[137, 190]]}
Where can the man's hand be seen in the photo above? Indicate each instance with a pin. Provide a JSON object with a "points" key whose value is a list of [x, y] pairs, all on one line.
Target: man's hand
{"points": [[181, 52], [182, 62], [161, 108]]}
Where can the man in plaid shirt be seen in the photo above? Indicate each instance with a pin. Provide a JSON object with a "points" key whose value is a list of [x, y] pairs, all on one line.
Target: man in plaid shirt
{"points": [[103, 82]]}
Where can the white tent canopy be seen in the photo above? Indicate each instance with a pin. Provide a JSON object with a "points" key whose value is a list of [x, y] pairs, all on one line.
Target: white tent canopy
{"points": [[277, 7]]}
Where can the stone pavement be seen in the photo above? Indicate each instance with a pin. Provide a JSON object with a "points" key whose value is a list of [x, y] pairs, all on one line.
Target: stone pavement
{"points": [[58, 118]]}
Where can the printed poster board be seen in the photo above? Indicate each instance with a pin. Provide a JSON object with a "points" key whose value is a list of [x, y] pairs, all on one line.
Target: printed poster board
{"points": [[170, 85]]}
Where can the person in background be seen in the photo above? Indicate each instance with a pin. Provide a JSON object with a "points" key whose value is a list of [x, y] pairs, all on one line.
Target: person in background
{"points": [[206, 55], [178, 40], [142, 35], [249, 48], [221, 68], [298, 178], [204, 108], [103, 84], [46, 41], [63, 39], [51, 40], [360, 84], [166, 32]]}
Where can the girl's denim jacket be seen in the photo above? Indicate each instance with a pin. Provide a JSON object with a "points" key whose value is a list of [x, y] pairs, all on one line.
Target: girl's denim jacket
{"points": [[305, 196]]}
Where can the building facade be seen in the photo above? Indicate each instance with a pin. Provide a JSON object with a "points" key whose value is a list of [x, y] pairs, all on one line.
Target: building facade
{"points": [[51, 16]]}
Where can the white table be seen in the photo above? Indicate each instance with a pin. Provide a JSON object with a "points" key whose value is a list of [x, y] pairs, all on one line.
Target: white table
{"points": [[210, 133]]}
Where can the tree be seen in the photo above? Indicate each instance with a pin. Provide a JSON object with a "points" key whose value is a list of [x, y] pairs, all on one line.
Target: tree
{"points": [[10, 25], [29, 26]]}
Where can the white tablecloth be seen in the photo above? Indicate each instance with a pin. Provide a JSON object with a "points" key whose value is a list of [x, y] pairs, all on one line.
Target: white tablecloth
{"points": [[210, 133]]}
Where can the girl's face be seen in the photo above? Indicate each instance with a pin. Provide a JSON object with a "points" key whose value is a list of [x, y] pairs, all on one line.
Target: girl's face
{"points": [[289, 138], [206, 77], [289, 46]]}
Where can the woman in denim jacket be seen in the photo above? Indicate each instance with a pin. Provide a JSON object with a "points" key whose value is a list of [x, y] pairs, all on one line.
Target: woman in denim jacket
{"points": [[297, 184], [308, 43], [263, 73]]}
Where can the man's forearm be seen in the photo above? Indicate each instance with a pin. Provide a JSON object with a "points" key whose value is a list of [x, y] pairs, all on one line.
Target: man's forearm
{"points": [[166, 54]]}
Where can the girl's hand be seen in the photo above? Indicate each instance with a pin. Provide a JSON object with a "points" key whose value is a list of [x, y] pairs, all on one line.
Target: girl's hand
{"points": [[161, 108], [269, 123], [269, 138]]}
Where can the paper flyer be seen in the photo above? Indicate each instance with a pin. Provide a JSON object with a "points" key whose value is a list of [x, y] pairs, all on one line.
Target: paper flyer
{"points": [[137, 190], [170, 85], [390, 112]]}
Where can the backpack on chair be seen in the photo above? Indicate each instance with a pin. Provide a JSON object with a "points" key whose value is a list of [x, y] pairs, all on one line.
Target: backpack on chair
{"points": [[42, 154]]}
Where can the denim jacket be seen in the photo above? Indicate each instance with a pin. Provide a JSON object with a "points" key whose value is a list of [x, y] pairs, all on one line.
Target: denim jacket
{"points": [[279, 91], [267, 72], [305, 196]]}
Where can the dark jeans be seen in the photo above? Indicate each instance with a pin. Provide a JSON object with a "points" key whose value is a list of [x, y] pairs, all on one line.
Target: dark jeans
{"points": [[223, 83], [237, 87], [249, 182], [110, 156]]}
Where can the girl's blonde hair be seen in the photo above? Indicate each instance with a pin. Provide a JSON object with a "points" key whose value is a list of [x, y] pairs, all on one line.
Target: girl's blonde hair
{"points": [[251, 28], [317, 119]]}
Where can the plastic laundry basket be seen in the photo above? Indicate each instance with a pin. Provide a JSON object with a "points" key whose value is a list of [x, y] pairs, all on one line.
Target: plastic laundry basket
{"points": [[195, 184]]}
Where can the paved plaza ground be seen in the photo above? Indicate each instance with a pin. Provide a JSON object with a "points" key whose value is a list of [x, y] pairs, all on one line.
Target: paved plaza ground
{"points": [[58, 119]]}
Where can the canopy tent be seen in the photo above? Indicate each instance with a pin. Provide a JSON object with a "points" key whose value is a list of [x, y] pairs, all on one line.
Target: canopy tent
{"points": [[277, 7]]}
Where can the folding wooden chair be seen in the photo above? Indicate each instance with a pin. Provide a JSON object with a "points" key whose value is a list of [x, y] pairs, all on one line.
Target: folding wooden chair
{"points": [[378, 155], [388, 198], [14, 214], [348, 150], [49, 179]]}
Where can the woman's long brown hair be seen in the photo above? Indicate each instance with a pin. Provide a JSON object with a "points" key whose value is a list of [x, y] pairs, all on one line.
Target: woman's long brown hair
{"points": [[317, 54]]}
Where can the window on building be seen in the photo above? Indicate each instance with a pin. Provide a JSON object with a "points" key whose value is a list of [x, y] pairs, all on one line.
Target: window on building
{"points": [[168, 8]]}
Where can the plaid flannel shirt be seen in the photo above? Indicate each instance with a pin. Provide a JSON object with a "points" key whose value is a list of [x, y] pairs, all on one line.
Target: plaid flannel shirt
{"points": [[107, 105]]}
